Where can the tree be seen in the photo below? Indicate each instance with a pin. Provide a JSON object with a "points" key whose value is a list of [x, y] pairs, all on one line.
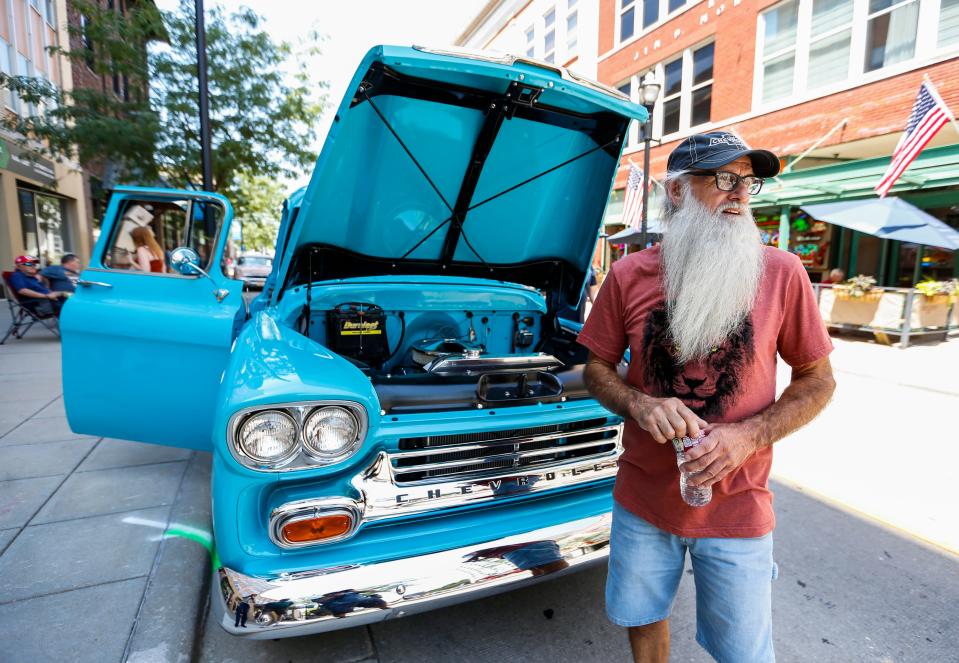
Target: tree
{"points": [[259, 199], [262, 119]]}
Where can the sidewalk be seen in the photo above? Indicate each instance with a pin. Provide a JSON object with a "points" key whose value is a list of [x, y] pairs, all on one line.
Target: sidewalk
{"points": [[885, 445], [85, 571]]}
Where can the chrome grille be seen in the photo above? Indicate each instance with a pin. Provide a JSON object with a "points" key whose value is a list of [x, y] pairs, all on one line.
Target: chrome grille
{"points": [[475, 454]]}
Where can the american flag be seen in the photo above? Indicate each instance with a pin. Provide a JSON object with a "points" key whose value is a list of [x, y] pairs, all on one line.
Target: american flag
{"points": [[928, 116], [633, 202]]}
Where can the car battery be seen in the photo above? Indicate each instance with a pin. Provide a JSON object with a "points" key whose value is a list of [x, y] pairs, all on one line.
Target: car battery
{"points": [[358, 330]]}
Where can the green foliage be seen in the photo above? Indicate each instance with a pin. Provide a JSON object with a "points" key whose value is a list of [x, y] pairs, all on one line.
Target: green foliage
{"points": [[262, 123], [258, 200], [94, 125]]}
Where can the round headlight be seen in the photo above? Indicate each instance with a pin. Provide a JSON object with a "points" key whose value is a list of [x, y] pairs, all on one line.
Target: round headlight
{"points": [[330, 432], [268, 437]]}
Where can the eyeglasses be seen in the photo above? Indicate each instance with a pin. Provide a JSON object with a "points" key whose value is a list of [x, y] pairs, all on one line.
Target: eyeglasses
{"points": [[29, 264], [727, 181]]}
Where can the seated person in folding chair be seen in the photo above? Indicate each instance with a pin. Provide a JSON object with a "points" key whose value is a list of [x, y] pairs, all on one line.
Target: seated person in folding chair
{"points": [[31, 291], [63, 277]]}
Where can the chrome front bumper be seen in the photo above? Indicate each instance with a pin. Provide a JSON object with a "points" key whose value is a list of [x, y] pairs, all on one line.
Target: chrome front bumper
{"points": [[346, 596]]}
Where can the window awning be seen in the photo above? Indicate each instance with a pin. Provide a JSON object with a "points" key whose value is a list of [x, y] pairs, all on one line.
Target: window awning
{"points": [[934, 167]]}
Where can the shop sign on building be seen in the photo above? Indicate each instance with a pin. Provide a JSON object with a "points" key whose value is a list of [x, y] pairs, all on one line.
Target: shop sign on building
{"points": [[17, 160]]}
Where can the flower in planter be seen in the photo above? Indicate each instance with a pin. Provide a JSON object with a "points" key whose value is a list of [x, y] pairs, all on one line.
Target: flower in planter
{"points": [[947, 290], [857, 286]]}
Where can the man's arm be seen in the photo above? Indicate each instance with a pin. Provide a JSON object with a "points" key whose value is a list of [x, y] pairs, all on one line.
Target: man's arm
{"points": [[663, 418], [27, 292], [727, 446]]}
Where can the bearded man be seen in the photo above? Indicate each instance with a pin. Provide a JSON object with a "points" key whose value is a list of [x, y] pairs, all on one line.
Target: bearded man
{"points": [[703, 316]]}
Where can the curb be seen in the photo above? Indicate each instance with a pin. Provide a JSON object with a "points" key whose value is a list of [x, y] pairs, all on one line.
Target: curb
{"points": [[170, 621]]}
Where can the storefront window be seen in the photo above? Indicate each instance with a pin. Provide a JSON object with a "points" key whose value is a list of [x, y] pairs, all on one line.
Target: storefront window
{"points": [[43, 220], [808, 238]]}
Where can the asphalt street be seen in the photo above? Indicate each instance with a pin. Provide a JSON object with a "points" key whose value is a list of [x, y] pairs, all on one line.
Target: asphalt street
{"points": [[102, 554]]}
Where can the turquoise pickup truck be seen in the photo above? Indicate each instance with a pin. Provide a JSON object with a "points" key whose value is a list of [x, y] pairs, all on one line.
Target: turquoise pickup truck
{"points": [[398, 422]]}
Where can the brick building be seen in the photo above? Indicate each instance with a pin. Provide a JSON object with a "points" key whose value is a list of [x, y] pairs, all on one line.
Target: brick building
{"points": [[43, 207], [838, 76]]}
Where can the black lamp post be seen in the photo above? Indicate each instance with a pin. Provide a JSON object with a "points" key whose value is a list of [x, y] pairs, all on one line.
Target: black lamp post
{"points": [[648, 93], [205, 152]]}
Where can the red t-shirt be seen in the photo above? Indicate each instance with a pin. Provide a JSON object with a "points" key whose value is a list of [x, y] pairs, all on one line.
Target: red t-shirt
{"points": [[736, 381]]}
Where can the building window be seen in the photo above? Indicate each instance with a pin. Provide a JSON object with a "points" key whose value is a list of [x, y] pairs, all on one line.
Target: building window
{"points": [[627, 17], [830, 42], [687, 92], [572, 30], [650, 12], [948, 23], [672, 95], [702, 89], [809, 45], [530, 42], [6, 97], [890, 32], [779, 50], [549, 36], [86, 41], [43, 220]]}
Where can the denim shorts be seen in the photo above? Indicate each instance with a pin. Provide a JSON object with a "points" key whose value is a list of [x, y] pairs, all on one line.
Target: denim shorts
{"points": [[733, 586]]}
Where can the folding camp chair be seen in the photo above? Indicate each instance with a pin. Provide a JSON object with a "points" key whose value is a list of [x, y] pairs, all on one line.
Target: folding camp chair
{"points": [[22, 316]]}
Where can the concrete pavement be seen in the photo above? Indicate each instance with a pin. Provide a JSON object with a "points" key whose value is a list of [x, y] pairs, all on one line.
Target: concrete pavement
{"points": [[87, 575], [85, 571], [886, 445]]}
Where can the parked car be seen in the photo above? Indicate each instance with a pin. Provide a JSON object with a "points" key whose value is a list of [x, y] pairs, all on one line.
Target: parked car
{"points": [[253, 269], [399, 421]]}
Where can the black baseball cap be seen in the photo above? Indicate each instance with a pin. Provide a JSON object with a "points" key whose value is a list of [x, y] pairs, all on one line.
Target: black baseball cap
{"points": [[718, 148]]}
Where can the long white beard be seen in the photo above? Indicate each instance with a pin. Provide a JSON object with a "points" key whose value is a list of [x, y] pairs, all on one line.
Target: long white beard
{"points": [[712, 264]]}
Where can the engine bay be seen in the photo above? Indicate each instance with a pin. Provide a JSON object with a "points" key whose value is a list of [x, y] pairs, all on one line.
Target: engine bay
{"points": [[426, 342]]}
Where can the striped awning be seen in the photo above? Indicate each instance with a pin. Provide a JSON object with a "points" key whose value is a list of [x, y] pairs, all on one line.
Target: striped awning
{"points": [[935, 167]]}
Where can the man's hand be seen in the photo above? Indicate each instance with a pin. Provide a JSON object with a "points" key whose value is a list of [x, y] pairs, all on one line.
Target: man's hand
{"points": [[724, 449], [664, 418]]}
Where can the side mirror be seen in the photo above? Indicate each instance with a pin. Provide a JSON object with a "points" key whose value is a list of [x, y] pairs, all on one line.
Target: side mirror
{"points": [[186, 261]]}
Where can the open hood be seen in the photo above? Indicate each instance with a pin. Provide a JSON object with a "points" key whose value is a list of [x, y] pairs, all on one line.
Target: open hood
{"points": [[459, 164]]}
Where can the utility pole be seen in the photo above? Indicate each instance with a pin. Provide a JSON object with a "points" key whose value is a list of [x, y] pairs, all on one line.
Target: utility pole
{"points": [[206, 156]]}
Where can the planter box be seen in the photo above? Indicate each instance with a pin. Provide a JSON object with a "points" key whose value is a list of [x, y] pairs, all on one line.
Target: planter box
{"points": [[838, 308], [930, 311], [885, 309]]}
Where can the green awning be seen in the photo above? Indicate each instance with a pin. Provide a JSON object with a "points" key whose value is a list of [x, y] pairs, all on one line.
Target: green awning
{"points": [[934, 167]]}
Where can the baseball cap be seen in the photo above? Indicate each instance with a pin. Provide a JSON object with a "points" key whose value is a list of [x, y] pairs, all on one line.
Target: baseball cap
{"points": [[718, 148], [26, 260]]}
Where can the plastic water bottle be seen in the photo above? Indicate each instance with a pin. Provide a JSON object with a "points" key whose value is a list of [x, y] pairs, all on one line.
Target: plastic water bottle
{"points": [[692, 495]]}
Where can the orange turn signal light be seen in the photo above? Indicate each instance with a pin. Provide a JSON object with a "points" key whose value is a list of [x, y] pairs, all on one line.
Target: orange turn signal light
{"points": [[319, 528]]}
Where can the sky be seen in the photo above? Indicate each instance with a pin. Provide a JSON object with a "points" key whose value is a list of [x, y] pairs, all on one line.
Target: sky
{"points": [[351, 27]]}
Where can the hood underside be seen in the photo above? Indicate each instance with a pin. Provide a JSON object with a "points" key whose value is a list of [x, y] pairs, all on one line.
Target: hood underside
{"points": [[446, 165]]}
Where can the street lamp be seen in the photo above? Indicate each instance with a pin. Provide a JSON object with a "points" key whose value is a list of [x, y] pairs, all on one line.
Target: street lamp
{"points": [[648, 93]]}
